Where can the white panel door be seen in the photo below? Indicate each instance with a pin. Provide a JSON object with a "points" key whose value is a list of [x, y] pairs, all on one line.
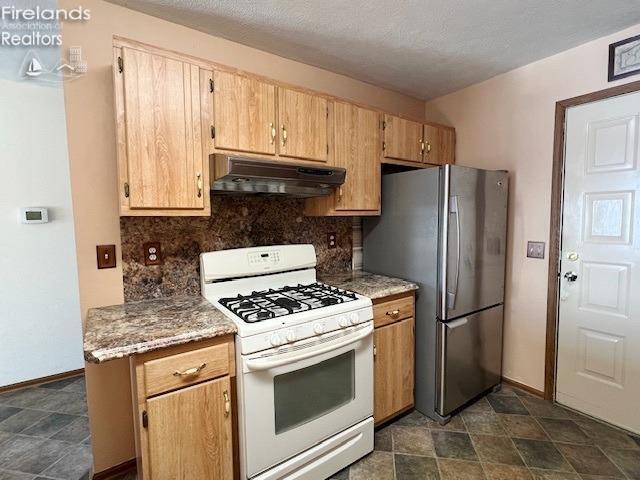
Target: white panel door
{"points": [[599, 323]]}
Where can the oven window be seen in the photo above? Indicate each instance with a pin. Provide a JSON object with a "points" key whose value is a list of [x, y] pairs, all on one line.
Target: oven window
{"points": [[309, 393]]}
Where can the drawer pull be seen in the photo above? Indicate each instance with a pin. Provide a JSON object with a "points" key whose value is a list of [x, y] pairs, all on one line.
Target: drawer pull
{"points": [[393, 313], [227, 403], [190, 371]]}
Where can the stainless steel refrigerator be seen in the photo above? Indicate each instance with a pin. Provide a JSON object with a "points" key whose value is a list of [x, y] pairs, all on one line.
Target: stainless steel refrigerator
{"points": [[444, 228]]}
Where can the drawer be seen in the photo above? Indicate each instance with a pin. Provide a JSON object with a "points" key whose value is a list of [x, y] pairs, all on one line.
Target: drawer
{"points": [[183, 369], [392, 310]]}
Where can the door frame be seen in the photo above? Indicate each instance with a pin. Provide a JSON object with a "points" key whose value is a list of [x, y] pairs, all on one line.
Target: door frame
{"points": [[555, 236]]}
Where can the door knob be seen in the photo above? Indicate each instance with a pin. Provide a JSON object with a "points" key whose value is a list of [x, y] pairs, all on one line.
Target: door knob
{"points": [[571, 276]]}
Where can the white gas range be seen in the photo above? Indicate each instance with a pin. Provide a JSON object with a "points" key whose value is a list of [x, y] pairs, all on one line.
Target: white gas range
{"points": [[304, 359]]}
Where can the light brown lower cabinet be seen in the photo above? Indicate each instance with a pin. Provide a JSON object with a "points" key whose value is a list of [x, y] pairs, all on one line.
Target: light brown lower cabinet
{"points": [[183, 400], [394, 347], [192, 422]]}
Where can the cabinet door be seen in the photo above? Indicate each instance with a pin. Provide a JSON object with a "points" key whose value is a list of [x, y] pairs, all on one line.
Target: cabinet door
{"points": [[163, 132], [440, 143], [394, 367], [402, 139], [189, 433], [302, 119], [245, 113], [357, 148]]}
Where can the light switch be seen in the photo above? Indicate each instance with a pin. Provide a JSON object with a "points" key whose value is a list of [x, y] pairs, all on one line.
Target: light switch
{"points": [[106, 256], [535, 249]]}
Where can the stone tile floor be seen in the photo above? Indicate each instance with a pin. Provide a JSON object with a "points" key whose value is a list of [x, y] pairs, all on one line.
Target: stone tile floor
{"points": [[510, 435], [44, 432]]}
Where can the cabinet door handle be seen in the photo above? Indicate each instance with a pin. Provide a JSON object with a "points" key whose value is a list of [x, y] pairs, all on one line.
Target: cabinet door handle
{"points": [[393, 313], [428, 147], [273, 133], [422, 145], [339, 194], [189, 371], [227, 403], [375, 351], [284, 135], [199, 183]]}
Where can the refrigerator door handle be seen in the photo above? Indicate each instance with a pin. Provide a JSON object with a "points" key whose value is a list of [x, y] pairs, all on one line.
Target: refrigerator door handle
{"points": [[457, 323], [454, 209]]}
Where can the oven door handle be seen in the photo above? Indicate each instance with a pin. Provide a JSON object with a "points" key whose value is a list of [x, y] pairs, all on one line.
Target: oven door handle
{"points": [[285, 359]]}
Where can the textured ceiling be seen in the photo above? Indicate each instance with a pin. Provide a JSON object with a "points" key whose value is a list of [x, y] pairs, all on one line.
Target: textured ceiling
{"points": [[424, 48]]}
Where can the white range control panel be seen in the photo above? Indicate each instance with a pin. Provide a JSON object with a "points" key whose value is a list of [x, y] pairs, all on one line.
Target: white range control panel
{"points": [[268, 257], [248, 262], [282, 337]]}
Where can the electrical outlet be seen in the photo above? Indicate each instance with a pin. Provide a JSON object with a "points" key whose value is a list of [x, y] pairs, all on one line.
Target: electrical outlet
{"points": [[535, 249], [106, 256], [332, 240], [152, 253]]}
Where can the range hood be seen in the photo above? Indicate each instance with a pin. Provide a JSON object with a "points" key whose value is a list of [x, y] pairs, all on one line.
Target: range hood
{"points": [[245, 175]]}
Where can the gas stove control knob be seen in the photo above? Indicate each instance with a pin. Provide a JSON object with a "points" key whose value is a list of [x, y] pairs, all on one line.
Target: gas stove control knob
{"points": [[343, 322], [354, 318], [276, 341], [318, 328], [291, 336]]}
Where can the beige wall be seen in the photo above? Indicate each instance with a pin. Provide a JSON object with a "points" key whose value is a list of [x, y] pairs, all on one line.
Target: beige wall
{"points": [[91, 136], [507, 122]]}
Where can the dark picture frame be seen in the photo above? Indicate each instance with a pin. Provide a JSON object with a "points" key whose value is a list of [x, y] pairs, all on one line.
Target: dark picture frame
{"points": [[614, 51]]}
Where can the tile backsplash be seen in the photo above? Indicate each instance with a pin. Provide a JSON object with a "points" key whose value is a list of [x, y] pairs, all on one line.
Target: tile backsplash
{"points": [[235, 222]]}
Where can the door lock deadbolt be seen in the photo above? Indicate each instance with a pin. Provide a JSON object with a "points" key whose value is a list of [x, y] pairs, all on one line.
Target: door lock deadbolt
{"points": [[571, 276]]}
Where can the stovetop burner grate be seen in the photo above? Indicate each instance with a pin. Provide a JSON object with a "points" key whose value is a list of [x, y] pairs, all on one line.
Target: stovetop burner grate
{"points": [[274, 303]]}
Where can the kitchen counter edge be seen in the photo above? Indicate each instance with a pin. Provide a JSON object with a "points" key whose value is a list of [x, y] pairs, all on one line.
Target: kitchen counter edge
{"points": [[369, 284], [119, 331]]}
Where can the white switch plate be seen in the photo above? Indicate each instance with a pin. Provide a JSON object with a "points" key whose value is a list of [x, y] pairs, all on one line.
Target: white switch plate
{"points": [[535, 249]]}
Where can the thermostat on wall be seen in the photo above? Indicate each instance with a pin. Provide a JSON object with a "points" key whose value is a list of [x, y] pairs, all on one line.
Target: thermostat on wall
{"points": [[34, 215]]}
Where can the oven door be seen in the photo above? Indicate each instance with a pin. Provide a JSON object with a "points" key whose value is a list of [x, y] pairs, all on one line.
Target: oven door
{"points": [[298, 396]]}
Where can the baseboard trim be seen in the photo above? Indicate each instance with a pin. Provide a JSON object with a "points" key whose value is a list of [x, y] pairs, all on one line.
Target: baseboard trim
{"points": [[124, 467], [522, 386], [38, 381]]}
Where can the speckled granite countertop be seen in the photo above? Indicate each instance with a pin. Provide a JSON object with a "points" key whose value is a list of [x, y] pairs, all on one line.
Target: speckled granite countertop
{"points": [[368, 284], [137, 327]]}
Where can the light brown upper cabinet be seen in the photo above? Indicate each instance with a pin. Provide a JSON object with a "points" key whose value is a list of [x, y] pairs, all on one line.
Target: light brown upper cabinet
{"points": [[162, 107], [244, 113], [402, 139], [356, 147], [303, 125], [440, 144], [173, 111]]}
